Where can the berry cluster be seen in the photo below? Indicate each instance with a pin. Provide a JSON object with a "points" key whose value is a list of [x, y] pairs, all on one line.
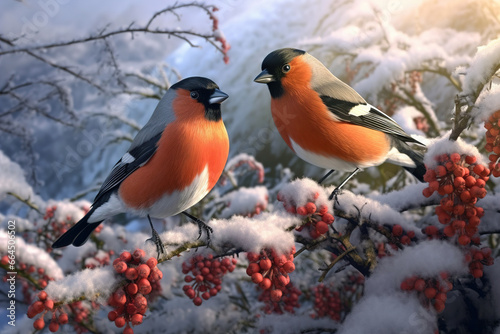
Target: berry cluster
{"points": [[44, 305], [246, 202], [477, 258], [288, 302], [432, 291], [142, 277], [206, 276], [493, 142], [99, 259], [400, 235], [219, 37], [327, 302], [335, 300], [54, 224], [316, 217], [432, 232], [270, 271], [461, 180], [242, 160]]}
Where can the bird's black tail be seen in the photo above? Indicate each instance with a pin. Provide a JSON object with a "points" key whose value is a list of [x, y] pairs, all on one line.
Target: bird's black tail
{"points": [[418, 159], [78, 234]]}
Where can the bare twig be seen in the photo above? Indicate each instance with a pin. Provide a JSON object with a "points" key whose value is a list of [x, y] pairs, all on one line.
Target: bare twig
{"points": [[26, 201]]}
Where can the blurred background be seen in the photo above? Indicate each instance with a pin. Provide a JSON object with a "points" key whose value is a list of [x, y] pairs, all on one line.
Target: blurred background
{"points": [[71, 100]]}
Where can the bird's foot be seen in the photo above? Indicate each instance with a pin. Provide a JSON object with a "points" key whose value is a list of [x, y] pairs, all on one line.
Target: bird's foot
{"points": [[204, 226], [155, 238], [335, 193], [201, 226]]}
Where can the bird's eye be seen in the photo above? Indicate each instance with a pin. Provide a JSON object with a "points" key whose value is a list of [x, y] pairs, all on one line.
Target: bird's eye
{"points": [[285, 68], [195, 95]]}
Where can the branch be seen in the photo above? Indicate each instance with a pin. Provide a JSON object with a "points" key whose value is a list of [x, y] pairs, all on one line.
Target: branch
{"points": [[62, 68], [461, 120], [443, 72], [128, 30], [334, 262], [25, 201]]}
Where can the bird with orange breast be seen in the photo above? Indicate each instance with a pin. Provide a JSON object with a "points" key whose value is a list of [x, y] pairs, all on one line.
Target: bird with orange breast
{"points": [[172, 163], [327, 123]]}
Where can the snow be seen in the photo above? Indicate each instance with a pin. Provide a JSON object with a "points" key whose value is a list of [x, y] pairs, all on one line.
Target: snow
{"points": [[301, 191], [373, 210], [443, 145], [487, 104], [384, 308], [67, 210], [388, 314], [31, 255], [382, 41], [408, 197], [244, 201], [427, 259], [12, 180], [94, 284], [482, 67], [248, 234], [404, 117]]}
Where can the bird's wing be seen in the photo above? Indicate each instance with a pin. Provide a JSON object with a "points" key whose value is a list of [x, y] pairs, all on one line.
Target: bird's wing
{"points": [[131, 161], [366, 115]]}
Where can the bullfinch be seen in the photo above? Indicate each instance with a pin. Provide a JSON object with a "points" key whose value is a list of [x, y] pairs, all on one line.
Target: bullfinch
{"points": [[172, 163], [327, 123]]}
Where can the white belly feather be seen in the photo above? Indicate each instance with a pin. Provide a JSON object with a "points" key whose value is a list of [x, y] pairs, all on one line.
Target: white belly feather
{"points": [[168, 205]]}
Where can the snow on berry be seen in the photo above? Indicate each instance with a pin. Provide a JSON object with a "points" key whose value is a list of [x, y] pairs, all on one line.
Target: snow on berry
{"points": [[316, 213], [68, 211], [204, 276], [298, 193], [245, 201], [443, 145], [99, 259], [269, 269]]}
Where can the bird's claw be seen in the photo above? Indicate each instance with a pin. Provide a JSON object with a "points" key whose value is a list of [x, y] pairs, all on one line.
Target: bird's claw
{"points": [[335, 193], [204, 226], [155, 238]]}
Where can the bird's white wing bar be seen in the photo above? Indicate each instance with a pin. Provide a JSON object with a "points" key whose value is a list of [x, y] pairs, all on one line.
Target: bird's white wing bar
{"points": [[366, 115], [127, 158], [129, 163], [360, 110]]}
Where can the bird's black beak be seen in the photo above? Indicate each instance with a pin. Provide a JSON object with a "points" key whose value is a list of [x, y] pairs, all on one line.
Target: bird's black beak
{"points": [[264, 77], [217, 96]]}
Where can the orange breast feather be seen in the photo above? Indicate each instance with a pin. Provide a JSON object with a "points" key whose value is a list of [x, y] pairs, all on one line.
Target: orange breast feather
{"points": [[300, 115], [186, 147]]}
